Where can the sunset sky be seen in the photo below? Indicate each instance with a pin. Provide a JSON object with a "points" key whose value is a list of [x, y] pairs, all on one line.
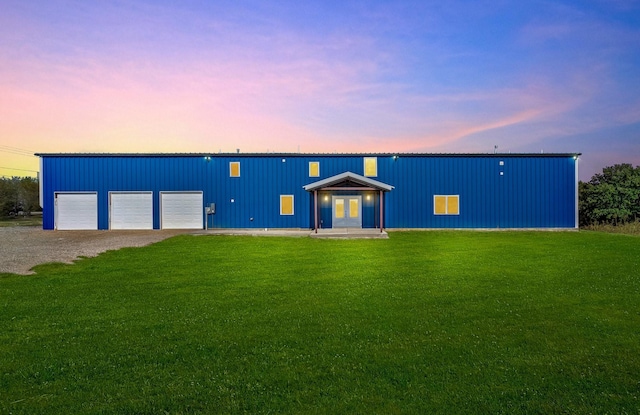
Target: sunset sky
{"points": [[320, 76]]}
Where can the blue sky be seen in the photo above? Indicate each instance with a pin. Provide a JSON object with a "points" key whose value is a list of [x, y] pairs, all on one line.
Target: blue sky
{"points": [[330, 76]]}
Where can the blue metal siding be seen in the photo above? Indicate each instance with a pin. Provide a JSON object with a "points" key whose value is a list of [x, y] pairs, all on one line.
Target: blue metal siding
{"points": [[534, 191]]}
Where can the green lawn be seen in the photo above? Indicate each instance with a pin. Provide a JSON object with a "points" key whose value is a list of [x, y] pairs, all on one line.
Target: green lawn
{"points": [[423, 322], [7, 221]]}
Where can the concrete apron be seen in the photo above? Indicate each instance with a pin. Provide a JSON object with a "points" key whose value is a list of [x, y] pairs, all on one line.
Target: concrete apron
{"points": [[343, 233], [349, 233]]}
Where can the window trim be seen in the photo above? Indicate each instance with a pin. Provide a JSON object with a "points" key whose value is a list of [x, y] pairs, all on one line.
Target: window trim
{"points": [[446, 205], [317, 164], [373, 160], [231, 164], [282, 197]]}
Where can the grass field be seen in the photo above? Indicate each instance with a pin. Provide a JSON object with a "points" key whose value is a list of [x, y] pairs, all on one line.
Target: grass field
{"points": [[7, 221], [629, 228], [424, 322]]}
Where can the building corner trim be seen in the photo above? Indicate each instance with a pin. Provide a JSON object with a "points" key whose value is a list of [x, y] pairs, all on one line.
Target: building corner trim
{"points": [[577, 187]]}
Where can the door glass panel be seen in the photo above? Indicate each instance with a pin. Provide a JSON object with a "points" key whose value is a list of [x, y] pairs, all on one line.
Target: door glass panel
{"points": [[339, 208], [353, 208]]}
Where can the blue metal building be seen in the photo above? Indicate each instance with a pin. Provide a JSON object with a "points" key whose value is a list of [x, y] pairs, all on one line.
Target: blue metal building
{"points": [[307, 191]]}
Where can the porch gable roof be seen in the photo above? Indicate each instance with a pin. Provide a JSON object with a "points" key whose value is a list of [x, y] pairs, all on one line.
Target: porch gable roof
{"points": [[347, 176]]}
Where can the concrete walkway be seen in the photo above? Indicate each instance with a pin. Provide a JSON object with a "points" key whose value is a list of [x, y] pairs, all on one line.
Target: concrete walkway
{"points": [[299, 233], [349, 233]]}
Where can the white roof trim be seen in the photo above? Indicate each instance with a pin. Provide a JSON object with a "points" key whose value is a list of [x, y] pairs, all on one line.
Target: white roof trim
{"points": [[365, 181]]}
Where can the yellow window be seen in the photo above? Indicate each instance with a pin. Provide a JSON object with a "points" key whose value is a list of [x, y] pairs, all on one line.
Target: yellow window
{"points": [[440, 205], [286, 204], [353, 208], [371, 166], [452, 205], [339, 208], [446, 205], [314, 169], [234, 169]]}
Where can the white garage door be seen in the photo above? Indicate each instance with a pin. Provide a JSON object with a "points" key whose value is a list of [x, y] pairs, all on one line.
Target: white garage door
{"points": [[131, 210], [181, 210], [75, 211]]}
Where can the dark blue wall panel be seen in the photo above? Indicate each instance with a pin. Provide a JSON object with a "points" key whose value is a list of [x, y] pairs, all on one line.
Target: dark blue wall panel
{"points": [[495, 190]]}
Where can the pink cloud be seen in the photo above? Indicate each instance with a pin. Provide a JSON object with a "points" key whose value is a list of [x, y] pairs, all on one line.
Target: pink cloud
{"points": [[273, 89], [255, 107]]}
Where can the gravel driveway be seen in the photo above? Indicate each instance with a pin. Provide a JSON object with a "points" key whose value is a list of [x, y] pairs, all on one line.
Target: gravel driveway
{"points": [[23, 247]]}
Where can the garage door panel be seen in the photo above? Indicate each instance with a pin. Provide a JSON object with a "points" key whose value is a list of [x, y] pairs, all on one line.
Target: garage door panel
{"points": [[76, 211], [181, 210], [131, 210]]}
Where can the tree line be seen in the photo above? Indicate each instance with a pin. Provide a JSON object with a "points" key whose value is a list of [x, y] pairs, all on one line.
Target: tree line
{"points": [[611, 197], [19, 194]]}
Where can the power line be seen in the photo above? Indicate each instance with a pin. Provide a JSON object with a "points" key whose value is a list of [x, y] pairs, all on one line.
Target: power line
{"points": [[16, 153], [6, 149], [11, 168], [17, 149]]}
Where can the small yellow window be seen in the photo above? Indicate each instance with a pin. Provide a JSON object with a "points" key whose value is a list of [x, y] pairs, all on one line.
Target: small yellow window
{"points": [[339, 208], [371, 166], [353, 208], [234, 169], [440, 205], [286, 204], [314, 169], [452, 205], [446, 205]]}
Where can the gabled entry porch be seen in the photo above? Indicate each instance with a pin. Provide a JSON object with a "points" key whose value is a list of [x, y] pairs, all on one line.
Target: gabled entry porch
{"points": [[348, 200]]}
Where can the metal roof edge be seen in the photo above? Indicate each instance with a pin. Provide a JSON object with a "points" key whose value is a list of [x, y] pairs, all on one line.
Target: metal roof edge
{"points": [[397, 155]]}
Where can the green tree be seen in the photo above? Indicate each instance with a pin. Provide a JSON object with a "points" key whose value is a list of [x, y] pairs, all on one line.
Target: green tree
{"points": [[612, 196], [8, 195], [19, 194], [29, 194]]}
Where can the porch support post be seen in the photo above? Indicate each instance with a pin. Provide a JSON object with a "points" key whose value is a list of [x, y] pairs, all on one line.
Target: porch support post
{"points": [[381, 211], [315, 210]]}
